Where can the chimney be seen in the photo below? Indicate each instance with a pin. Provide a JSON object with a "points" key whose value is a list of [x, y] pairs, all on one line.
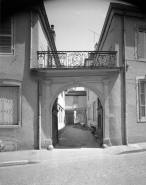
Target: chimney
{"points": [[96, 46], [53, 32]]}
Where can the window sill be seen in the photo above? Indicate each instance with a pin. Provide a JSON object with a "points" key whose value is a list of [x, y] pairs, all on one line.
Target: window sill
{"points": [[10, 126], [136, 59], [6, 54], [140, 59], [141, 121]]}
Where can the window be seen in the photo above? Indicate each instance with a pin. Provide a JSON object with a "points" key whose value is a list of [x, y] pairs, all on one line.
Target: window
{"points": [[141, 99], [142, 44], [10, 111], [6, 33], [140, 41]]}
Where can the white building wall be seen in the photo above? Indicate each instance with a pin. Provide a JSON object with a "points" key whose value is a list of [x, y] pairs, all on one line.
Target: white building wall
{"points": [[91, 98], [61, 110]]}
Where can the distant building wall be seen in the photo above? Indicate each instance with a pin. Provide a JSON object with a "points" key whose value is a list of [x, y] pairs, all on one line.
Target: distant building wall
{"points": [[92, 118], [61, 110], [72, 102]]}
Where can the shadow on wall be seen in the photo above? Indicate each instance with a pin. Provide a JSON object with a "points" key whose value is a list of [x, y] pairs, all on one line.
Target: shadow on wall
{"points": [[29, 130]]}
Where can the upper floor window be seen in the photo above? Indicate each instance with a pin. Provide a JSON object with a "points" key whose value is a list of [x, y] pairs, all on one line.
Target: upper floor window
{"points": [[140, 41], [6, 36]]}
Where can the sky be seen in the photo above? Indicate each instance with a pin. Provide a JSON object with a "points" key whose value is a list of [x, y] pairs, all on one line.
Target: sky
{"points": [[75, 21]]}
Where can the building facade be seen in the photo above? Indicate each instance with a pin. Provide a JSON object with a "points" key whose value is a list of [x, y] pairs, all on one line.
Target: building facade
{"points": [[124, 31], [22, 34]]}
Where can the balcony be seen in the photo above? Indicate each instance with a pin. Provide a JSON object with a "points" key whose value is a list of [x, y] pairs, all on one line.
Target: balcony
{"points": [[76, 59], [74, 63]]}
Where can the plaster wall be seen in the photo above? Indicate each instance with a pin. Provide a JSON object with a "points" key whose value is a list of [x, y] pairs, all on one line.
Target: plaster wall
{"points": [[136, 130], [107, 43], [16, 67], [69, 102], [130, 27], [113, 42]]}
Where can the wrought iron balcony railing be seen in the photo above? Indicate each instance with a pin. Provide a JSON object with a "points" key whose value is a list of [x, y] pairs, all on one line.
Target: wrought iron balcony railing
{"points": [[76, 59]]}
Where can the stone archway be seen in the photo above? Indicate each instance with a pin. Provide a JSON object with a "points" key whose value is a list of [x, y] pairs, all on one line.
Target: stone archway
{"points": [[52, 90]]}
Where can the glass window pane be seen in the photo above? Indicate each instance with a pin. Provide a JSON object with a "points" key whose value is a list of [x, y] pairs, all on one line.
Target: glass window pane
{"points": [[142, 87], [142, 99]]}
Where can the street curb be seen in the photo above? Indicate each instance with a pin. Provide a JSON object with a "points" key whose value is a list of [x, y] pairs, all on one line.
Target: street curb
{"points": [[14, 163]]}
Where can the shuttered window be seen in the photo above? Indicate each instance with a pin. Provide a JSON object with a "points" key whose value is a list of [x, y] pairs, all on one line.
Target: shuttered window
{"points": [[6, 34], [142, 44], [9, 105]]}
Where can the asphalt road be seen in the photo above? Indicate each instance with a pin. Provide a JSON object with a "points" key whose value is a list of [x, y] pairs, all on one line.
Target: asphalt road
{"points": [[102, 169]]}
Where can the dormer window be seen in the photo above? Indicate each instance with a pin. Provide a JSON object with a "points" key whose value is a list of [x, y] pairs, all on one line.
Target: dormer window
{"points": [[6, 36]]}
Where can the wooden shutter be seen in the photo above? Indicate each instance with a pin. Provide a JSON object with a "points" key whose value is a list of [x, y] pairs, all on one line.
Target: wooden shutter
{"points": [[9, 105], [141, 44], [6, 36], [142, 99]]}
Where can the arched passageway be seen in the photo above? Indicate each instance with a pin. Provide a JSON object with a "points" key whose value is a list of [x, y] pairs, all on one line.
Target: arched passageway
{"points": [[77, 119], [50, 91]]}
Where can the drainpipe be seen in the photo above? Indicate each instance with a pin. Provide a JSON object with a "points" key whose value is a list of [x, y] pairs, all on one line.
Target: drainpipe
{"points": [[31, 30], [124, 82], [40, 110]]}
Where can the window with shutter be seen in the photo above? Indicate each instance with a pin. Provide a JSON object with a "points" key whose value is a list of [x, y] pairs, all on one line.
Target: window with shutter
{"points": [[6, 34], [8, 105], [140, 41], [142, 99], [142, 44]]}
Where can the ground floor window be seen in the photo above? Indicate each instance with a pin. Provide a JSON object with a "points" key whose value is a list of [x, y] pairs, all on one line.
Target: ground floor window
{"points": [[9, 105], [141, 99]]}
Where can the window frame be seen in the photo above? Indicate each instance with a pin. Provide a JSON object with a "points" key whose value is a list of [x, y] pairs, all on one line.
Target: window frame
{"points": [[141, 26], [10, 83], [12, 38], [139, 119]]}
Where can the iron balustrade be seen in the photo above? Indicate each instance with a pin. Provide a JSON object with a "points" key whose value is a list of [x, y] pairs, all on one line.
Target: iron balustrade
{"points": [[76, 59]]}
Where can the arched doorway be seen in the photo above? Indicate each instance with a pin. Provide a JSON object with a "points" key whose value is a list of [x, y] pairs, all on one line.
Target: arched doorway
{"points": [[74, 109]]}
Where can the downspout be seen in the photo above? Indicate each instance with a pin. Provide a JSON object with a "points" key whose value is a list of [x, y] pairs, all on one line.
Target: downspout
{"points": [[124, 82], [31, 33], [40, 111], [39, 86]]}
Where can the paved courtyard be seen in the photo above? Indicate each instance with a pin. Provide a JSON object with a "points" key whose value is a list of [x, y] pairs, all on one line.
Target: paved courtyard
{"points": [[76, 136]]}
